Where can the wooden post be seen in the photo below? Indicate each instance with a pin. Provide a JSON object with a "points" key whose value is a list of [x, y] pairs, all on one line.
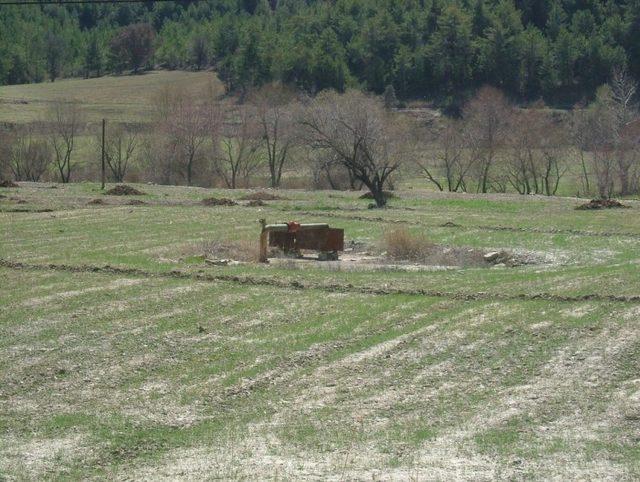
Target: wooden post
{"points": [[104, 174], [264, 239]]}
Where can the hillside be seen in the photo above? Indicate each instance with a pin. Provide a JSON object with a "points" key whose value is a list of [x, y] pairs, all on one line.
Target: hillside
{"points": [[436, 50], [123, 98]]}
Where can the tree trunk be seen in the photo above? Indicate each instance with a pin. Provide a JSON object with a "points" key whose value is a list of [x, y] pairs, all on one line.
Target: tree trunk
{"points": [[377, 192]]}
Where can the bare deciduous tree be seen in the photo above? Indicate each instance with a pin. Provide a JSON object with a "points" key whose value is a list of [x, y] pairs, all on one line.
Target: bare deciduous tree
{"points": [[187, 129], [120, 145], [7, 141], [186, 122], [608, 133], [64, 121], [535, 153], [275, 110], [597, 125], [447, 168], [28, 155], [237, 155], [487, 118], [361, 134], [623, 90]]}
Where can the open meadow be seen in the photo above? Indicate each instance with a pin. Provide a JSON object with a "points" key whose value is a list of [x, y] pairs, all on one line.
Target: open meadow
{"points": [[125, 98], [124, 354]]}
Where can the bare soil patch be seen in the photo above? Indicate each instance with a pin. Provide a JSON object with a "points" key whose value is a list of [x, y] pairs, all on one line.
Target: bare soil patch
{"points": [[602, 204], [262, 196], [214, 201], [124, 190], [8, 183]]}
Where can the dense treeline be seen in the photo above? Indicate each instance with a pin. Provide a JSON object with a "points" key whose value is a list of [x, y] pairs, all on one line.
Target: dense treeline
{"points": [[558, 50]]}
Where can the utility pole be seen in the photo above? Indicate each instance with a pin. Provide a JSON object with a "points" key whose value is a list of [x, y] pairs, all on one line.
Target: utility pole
{"points": [[104, 128]]}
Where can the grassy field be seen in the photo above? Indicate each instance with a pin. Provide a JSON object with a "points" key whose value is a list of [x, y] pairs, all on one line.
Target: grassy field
{"points": [[124, 98], [124, 355]]}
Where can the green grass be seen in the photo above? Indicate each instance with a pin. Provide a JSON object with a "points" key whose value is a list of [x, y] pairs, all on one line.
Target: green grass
{"points": [[116, 375]]}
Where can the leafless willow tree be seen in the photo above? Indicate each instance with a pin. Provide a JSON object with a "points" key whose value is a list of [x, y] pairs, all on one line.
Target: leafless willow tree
{"points": [[28, 155], [487, 119], [64, 121], [447, 167], [362, 136], [275, 108], [238, 154]]}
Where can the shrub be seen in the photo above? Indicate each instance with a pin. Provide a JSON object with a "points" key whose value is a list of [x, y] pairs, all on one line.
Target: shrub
{"points": [[400, 244], [238, 250]]}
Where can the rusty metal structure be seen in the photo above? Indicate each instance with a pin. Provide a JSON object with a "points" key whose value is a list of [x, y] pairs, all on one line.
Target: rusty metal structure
{"points": [[293, 237]]}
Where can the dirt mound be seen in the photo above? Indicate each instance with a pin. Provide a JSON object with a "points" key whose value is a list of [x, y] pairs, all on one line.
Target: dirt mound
{"points": [[124, 190], [262, 196], [214, 201], [8, 183], [256, 203], [96, 201], [136, 202], [601, 204], [387, 195]]}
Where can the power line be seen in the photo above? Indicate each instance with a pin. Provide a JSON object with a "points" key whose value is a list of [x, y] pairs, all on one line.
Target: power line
{"points": [[80, 2]]}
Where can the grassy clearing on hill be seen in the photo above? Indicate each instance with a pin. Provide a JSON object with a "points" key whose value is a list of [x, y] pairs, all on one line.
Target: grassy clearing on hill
{"points": [[184, 370], [126, 98]]}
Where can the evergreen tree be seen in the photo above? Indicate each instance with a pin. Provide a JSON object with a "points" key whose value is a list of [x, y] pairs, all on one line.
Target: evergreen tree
{"points": [[450, 51], [55, 50], [390, 99], [93, 57]]}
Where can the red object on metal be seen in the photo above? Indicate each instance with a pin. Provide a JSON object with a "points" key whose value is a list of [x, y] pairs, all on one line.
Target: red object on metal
{"points": [[293, 226]]}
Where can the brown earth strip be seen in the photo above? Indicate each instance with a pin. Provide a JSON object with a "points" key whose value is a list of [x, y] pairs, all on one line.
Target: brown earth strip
{"points": [[26, 210], [333, 287]]}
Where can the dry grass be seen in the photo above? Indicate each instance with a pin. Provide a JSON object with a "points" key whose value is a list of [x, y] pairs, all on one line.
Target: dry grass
{"points": [[124, 97], [243, 250], [402, 245]]}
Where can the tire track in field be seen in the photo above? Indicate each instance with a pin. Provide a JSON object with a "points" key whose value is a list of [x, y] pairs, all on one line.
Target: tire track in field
{"points": [[514, 229], [328, 287]]}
